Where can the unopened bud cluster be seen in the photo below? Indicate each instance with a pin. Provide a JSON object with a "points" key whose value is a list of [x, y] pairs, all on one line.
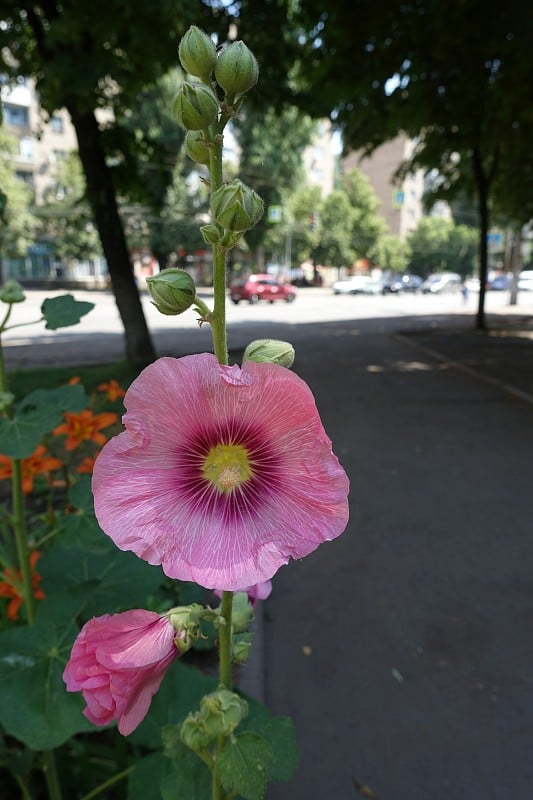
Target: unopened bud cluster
{"points": [[196, 106], [12, 292], [219, 714], [236, 207], [172, 291]]}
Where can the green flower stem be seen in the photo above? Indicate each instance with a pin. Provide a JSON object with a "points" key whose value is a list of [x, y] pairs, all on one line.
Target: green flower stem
{"points": [[111, 782], [21, 540], [4, 321], [50, 773], [220, 346], [22, 324], [225, 643], [24, 791], [19, 517], [218, 317]]}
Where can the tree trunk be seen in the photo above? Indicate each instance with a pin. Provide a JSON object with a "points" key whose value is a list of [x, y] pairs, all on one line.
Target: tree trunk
{"points": [[102, 199], [482, 185]]}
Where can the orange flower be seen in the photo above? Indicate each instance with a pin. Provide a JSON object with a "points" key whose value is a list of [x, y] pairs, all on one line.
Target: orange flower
{"points": [[37, 463], [86, 465], [74, 380], [112, 389], [84, 426], [12, 586]]}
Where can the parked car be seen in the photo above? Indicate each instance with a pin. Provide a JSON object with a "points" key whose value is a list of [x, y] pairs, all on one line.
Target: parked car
{"points": [[525, 280], [261, 287], [398, 284], [442, 282], [500, 283], [357, 284]]}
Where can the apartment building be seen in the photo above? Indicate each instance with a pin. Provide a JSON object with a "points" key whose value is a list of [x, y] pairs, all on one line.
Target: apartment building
{"points": [[43, 142], [400, 204]]}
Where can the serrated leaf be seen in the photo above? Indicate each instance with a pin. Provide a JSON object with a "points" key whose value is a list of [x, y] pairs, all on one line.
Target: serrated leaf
{"points": [[35, 416], [111, 580], [279, 733], [64, 311], [243, 765], [34, 704], [157, 777], [80, 528]]}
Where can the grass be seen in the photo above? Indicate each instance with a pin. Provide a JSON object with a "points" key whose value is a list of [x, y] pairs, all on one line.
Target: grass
{"points": [[21, 382]]}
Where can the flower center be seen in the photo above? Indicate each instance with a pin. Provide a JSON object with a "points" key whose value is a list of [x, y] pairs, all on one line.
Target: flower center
{"points": [[227, 466]]}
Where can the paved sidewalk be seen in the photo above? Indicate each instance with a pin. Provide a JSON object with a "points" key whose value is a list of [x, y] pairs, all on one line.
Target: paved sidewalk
{"points": [[403, 649]]}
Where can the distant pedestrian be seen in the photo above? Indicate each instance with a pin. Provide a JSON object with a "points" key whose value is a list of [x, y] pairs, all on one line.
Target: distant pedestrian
{"points": [[464, 290]]}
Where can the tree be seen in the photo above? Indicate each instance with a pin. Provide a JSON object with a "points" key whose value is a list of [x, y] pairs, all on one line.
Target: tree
{"points": [[98, 56], [271, 145], [367, 227], [65, 217], [437, 245], [335, 244], [16, 221], [392, 253], [455, 76]]}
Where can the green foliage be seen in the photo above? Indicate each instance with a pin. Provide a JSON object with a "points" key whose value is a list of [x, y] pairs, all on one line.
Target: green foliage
{"points": [[35, 416], [64, 311], [16, 221], [437, 245], [243, 764], [34, 706], [392, 253]]}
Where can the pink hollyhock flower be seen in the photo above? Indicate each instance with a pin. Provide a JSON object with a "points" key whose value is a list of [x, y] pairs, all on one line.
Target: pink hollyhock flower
{"points": [[258, 592], [222, 473], [118, 662]]}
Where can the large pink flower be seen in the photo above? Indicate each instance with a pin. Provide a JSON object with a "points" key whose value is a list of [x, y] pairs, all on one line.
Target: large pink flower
{"points": [[222, 473], [118, 662]]}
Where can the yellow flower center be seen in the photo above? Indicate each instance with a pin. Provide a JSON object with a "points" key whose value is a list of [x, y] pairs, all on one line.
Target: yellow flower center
{"points": [[227, 466]]}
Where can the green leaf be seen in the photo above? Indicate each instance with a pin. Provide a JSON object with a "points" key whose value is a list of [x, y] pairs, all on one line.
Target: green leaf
{"points": [[35, 416], [243, 765], [34, 704], [80, 528], [63, 311], [179, 694], [279, 733], [186, 777], [109, 581]]}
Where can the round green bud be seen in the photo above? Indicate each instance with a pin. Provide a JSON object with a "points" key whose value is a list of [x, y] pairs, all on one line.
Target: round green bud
{"points": [[236, 70], [196, 147], [186, 622], [270, 350], [12, 292], [197, 53], [172, 291], [6, 401], [236, 207], [195, 106]]}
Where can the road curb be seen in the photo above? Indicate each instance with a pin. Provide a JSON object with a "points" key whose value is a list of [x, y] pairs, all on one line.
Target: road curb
{"points": [[507, 388]]}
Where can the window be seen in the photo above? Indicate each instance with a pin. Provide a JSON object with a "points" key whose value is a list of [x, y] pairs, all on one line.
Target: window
{"points": [[26, 148], [25, 177], [56, 123], [16, 115]]}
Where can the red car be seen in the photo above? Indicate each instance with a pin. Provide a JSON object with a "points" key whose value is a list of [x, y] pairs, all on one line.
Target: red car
{"points": [[261, 287]]}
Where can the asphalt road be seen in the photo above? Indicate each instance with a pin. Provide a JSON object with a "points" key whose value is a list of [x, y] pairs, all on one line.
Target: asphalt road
{"points": [[99, 335]]}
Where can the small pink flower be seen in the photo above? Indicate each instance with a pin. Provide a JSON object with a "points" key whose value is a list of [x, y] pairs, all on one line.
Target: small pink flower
{"points": [[222, 473], [260, 591], [118, 662]]}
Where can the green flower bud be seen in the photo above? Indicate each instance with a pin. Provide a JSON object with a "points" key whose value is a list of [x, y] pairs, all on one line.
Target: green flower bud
{"points": [[242, 648], [220, 713], [198, 54], [272, 350], [12, 292], [172, 291], [236, 207], [236, 70], [197, 149], [195, 106], [210, 233], [186, 622], [242, 613]]}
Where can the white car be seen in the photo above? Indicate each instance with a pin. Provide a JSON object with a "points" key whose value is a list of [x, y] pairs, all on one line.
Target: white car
{"points": [[525, 280], [357, 284], [442, 282]]}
